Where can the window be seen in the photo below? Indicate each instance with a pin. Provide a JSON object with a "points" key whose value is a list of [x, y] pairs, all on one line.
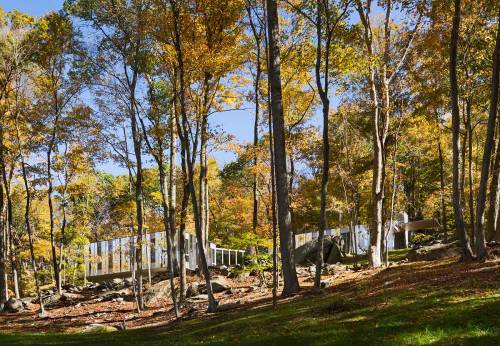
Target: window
{"points": [[99, 253], [90, 257], [152, 251], [110, 255]]}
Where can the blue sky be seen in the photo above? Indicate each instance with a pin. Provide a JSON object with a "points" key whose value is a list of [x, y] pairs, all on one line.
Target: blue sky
{"points": [[238, 123]]}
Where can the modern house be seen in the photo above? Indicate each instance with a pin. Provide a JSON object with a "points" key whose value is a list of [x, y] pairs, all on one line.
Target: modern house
{"points": [[398, 234], [114, 257]]}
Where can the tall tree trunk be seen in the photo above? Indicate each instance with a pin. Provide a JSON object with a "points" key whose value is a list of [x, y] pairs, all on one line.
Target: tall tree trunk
{"points": [[28, 222], [455, 112], [470, 134], [291, 283], [374, 258], [64, 219], [322, 87], [4, 296], [442, 189], [272, 173], [488, 147], [52, 143], [167, 223], [273, 206], [182, 229], [172, 190], [203, 179], [255, 215], [185, 143], [138, 199], [492, 212]]}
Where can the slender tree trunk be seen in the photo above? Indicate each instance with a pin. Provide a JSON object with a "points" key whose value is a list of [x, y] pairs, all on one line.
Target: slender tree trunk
{"points": [[4, 295], [272, 173], [52, 142], [393, 200], [184, 136], [203, 179], [138, 200], [28, 222], [64, 220], [493, 195], [172, 190], [63, 236], [374, 258], [291, 283], [323, 93], [488, 147], [455, 111], [273, 208], [468, 111], [442, 190], [255, 215], [168, 234], [182, 229]]}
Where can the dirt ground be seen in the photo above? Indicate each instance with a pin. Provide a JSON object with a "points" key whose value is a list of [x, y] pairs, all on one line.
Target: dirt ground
{"points": [[248, 292]]}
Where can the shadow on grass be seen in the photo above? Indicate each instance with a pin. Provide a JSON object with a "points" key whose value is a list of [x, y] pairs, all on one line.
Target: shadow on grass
{"points": [[439, 304]]}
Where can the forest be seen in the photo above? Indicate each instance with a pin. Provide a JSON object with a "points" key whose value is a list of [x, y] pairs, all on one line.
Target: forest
{"points": [[374, 141]]}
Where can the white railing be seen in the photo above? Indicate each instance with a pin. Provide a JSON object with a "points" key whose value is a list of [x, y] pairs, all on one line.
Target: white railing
{"points": [[115, 255]]}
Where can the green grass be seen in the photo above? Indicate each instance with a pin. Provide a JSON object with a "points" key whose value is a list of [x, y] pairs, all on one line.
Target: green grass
{"points": [[394, 256], [395, 307]]}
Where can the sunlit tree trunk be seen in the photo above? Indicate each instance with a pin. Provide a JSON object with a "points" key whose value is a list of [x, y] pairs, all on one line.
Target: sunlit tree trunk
{"points": [[272, 174], [185, 143], [455, 112], [322, 87], [12, 249], [470, 134], [50, 148], [27, 218], [291, 284], [488, 148]]}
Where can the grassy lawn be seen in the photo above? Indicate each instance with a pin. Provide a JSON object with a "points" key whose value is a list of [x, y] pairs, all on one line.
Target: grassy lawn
{"points": [[416, 304], [394, 256]]}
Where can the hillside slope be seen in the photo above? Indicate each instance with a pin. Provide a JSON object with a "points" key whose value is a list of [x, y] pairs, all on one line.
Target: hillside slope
{"points": [[440, 302]]}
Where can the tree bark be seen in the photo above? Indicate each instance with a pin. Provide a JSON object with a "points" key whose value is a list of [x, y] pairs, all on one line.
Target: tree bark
{"points": [[50, 148], [374, 257], [167, 223], [455, 111], [27, 220], [273, 176], [185, 143], [172, 189], [322, 87], [4, 295], [493, 196], [470, 173], [182, 229], [442, 190], [488, 147], [291, 284], [139, 202]]}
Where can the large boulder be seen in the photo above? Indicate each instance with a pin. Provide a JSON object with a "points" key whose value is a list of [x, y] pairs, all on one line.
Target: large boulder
{"points": [[434, 252], [193, 289], [306, 254], [14, 305], [71, 297], [335, 255], [118, 283], [220, 284], [98, 328], [157, 292]]}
